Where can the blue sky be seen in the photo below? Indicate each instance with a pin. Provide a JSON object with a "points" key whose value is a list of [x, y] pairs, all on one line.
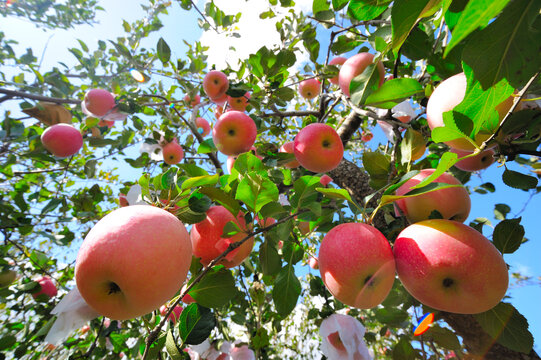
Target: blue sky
{"points": [[181, 25]]}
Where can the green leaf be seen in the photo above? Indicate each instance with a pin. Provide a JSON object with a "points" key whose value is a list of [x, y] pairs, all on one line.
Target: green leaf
{"points": [[339, 4], [513, 46], [364, 84], [477, 13], [207, 146], [443, 337], [386, 199], [366, 10], [447, 160], [221, 197], [376, 163], [305, 191], [404, 15], [195, 324], [90, 168], [164, 51], [204, 180], [394, 91], [508, 236], [403, 351], [286, 291], [256, 191], [269, 259], [341, 194], [172, 348], [505, 324], [391, 315], [7, 341], [51, 205], [518, 180], [216, 289]]}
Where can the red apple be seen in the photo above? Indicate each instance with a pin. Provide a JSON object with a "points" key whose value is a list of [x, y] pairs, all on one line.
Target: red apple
{"points": [[452, 203], [172, 153], [354, 66], [336, 61], [62, 140], [366, 136], [132, 261], [357, 264], [239, 103], [309, 88], [318, 148], [203, 126], [108, 123], [98, 102], [450, 266], [234, 133], [192, 101], [187, 299], [215, 84], [174, 316], [288, 148], [478, 162], [208, 243], [448, 94], [325, 180], [47, 287]]}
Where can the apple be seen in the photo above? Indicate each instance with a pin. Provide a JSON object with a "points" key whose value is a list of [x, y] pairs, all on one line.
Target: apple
{"points": [[208, 243], [452, 203], [354, 66], [234, 133], [314, 263], [357, 264], [309, 88], [62, 140], [132, 261], [174, 316], [239, 103], [478, 162], [187, 299], [318, 148], [192, 101], [288, 147], [84, 329], [336, 61], [366, 136], [7, 277], [203, 126], [123, 200], [215, 84], [450, 266], [172, 153], [325, 180], [448, 94], [98, 102], [47, 288]]}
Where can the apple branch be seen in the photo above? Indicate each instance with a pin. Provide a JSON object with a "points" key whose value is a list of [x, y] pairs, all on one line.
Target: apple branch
{"points": [[25, 95]]}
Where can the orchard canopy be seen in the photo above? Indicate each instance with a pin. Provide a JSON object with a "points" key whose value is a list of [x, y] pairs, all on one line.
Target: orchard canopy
{"points": [[305, 179]]}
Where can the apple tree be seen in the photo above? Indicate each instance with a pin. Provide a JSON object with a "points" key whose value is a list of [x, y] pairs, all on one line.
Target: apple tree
{"points": [[341, 70]]}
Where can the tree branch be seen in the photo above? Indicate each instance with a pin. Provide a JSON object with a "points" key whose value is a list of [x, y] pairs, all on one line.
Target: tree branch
{"points": [[25, 95]]}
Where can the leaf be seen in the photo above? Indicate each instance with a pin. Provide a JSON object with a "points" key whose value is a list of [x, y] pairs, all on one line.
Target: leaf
{"points": [[391, 315], [286, 291], [164, 51], [376, 163], [508, 236], [195, 324], [216, 289], [513, 48], [339, 4], [256, 191], [172, 348], [269, 259], [518, 180], [403, 351], [364, 84], [49, 113], [366, 10], [7, 341], [447, 160], [477, 13], [394, 91], [305, 191], [341, 194], [386, 199], [404, 15], [505, 324], [207, 146], [204, 180], [221, 197], [51, 205], [443, 337]]}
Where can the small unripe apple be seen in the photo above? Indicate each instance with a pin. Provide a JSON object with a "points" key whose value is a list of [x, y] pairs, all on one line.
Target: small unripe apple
{"points": [[239, 103], [357, 264], [48, 288], [318, 148], [234, 133], [203, 126], [62, 140], [192, 101], [215, 84], [309, 88], [172, 153], [478, 162], [98, 102], [450, 266], [354, 66], [174, 316], [288, 147], [336, 61]]}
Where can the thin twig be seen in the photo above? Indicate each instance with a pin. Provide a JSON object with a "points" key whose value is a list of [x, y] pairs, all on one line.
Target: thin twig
{"points": [[22, 94]]}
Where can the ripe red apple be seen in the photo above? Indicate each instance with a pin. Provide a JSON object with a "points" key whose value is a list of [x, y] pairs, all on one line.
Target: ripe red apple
{"points": [[174, 316], [325, 180], [192, 101], [448, 94], [366, 136], [7, 277], [478, 162], [239, 103], [215, 84], [309, 88], [450, 266], [132, 261], [336, 61], [172, 153], [318, 148], [452, 203], [208, 243], [98, 102], [357, 264], [234, 133], [48, 288], [203, 126], [288, 147], [62, 140], [354, 66]]}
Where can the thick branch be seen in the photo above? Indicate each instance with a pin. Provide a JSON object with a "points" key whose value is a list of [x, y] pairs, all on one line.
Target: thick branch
{"points": [[22, 94]]}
